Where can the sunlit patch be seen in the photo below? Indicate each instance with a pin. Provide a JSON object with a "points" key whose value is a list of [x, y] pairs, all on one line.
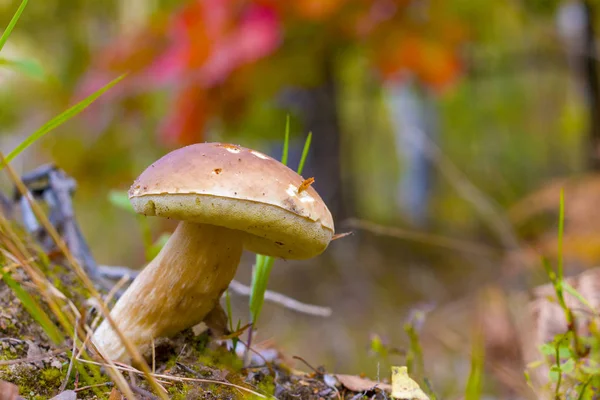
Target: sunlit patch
{"points": [[259, 155], [306, 198], [292, 190], [230, 147]]}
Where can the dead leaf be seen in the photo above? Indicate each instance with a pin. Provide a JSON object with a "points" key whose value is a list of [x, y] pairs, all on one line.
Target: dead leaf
{"points": [[115, 395], [341, 235], [358, 384], [404, 387], [8, 391], [34, 353], [305, 184], [216, 321], [66, 395]]}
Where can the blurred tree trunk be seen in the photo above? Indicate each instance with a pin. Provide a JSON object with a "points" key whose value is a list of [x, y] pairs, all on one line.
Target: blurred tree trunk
{"points": [[591, 79], [320, 112], [415, 123], [576, 28]]}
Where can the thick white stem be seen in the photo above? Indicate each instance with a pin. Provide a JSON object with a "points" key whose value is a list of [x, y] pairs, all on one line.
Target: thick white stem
{"points": [[176, 290]]}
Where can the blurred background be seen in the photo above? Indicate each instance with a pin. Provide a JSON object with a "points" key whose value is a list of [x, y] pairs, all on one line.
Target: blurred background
{"points": [[442, 134]]}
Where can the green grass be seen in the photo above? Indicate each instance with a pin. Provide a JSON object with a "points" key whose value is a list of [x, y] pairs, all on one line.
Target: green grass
{"points": [[12, 23], [571, 357], [33, 308], [264, 264], [33, 69], [60, 119]]}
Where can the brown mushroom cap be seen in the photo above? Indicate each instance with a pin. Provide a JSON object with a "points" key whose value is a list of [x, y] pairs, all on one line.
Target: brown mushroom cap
{"points": [[238, 188]]}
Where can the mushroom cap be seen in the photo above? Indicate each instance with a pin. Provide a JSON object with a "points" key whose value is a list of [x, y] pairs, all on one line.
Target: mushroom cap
{"points": [[237, 188]]}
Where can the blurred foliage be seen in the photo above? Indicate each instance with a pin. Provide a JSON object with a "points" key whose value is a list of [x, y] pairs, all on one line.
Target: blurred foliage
{"points": [[510, 119]]}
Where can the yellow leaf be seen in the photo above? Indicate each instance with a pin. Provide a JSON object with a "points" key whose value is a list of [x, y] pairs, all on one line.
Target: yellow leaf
{"points": [[404, 388]]}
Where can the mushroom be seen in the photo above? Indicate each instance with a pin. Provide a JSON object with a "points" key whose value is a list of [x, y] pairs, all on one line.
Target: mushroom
{"points": [[226, 198]]}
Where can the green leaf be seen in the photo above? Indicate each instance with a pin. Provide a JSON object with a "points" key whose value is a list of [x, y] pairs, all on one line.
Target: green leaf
{"points": [[590, 370], [573, 292], [554, 374], [120, 199], [548, 349], [157, 245], [564, 351], [12, 24], [568, 366], [60, 119], [28, 67]]}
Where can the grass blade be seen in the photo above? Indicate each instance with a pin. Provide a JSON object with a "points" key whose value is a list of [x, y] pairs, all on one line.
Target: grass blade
{"points": [[561, 231], [475, 381], [60, 119], [304, 153], [12, 24], [33, 308], [260, 279], [286, 142]]}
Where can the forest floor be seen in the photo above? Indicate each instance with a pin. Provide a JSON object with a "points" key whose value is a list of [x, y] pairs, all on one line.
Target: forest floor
{"points": [[190, 365]]}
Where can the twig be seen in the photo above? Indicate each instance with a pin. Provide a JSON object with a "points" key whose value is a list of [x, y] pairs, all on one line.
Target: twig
{"points": [[316, 371], [93, 386], [64, 384], [178, 378], [9, 339], [116, 272], [283, 300], [143, 392], [426, 238], [249, 349], [486, 207]]}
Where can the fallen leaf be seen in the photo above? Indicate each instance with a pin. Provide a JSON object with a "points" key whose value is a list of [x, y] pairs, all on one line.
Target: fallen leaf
{"points": [[341, 235], [34, 352], [115, 395], [404, 387], [8, 391], [358, 384], [66, 395], [305, 184]]}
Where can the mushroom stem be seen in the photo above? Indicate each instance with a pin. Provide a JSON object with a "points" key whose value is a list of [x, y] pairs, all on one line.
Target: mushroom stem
{"points": [[176, 290]]}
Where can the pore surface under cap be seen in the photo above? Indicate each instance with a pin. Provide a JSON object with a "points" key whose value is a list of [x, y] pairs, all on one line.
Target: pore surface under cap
{"points": [[238, 188]]}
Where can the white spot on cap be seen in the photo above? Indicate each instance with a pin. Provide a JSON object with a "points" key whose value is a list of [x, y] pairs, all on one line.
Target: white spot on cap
{"points": [[232, 149], [304, 197], [259, 155], [292, 190]]}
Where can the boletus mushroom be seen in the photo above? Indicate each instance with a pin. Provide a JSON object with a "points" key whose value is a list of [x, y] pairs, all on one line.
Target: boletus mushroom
{"points": [[226, 198]]}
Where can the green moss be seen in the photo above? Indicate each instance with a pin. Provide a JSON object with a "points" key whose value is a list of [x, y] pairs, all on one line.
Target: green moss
{"points": [[267, 385], [51, 377], [179, 391], [221, 358]]}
